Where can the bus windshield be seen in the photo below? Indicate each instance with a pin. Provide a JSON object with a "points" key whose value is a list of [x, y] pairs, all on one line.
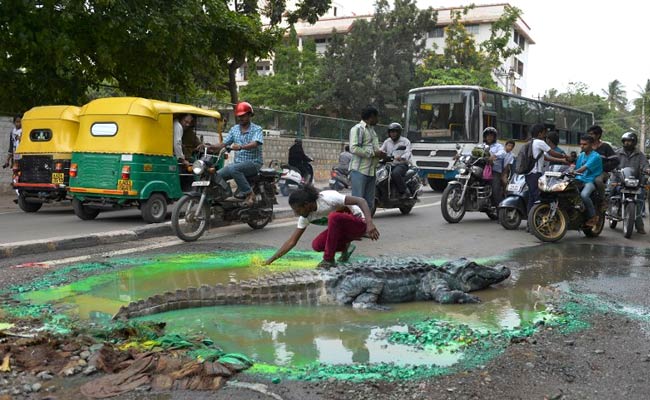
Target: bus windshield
{"points": [[443, 115]]}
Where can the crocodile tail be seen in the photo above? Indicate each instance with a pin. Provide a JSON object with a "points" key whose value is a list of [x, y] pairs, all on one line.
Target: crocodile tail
{"points": [[301, 287]]}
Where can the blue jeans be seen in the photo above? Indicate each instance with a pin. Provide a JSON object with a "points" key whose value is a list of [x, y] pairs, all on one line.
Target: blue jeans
{"points": [[239, 172], [533, 189], [363, 186], [586, 198]]}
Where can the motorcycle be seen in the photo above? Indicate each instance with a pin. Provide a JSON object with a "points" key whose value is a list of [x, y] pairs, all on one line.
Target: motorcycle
{"points": [[469, 191], [292, 179], [339, 179], [512, 208], [210, 195], [561, 208], [386, 195], [623, 192]]}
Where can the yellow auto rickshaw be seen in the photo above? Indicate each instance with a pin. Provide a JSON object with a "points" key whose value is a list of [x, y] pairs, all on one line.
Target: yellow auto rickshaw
{"points": [[124, 155], [42, 160]]}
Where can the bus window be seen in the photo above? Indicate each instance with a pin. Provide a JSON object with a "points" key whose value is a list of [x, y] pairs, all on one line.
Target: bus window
{"points": [[548, 115], [563, 137]]}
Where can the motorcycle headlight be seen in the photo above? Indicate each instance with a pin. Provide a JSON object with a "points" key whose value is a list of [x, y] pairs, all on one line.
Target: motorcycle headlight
{"points": [[462, 171], [559, 187], [382, 173], [631, 182], [198, 167]]}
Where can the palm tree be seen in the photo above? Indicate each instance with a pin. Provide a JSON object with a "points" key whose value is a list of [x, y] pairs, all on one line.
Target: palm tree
{"points": [[616, 99]]}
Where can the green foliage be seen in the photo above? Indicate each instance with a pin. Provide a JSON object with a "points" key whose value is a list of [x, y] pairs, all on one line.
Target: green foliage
{"points": [[463, 60], [616, 99]]}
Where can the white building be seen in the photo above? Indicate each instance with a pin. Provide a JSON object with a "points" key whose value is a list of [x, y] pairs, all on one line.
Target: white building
{"points": [[511, 77]]}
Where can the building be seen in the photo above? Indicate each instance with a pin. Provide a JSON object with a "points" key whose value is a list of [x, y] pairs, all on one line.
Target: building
{"points": [[511, 76]]}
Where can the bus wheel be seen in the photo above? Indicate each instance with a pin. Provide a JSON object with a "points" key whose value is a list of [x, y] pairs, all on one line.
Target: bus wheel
{"points": [[155, 209], [84, 212], [437, 184]]}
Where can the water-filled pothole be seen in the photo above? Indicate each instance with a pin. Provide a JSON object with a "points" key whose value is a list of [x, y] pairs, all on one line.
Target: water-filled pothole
{"points": [[299, 336]]}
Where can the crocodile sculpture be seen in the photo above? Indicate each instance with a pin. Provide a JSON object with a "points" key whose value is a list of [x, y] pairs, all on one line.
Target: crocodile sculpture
{"points": [[364, 285]]}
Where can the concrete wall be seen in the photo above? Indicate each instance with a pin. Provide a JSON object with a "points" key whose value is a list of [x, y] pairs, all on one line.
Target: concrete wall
{"points": [[5, 174], [324, 152]]}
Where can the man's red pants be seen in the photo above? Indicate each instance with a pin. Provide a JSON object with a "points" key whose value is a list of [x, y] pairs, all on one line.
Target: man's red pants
{"points": [[342, 228]]}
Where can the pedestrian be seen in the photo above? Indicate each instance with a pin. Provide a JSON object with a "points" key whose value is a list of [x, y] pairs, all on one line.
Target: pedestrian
{"points": [[344, 160], [541, 152], [347, 218], [364, 146], [14, 139]]}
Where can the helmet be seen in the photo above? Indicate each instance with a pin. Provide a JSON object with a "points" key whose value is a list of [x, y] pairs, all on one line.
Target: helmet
{"points": [[394, 126], [243, 108], [490, 130], [629, 136], [477, 152]]}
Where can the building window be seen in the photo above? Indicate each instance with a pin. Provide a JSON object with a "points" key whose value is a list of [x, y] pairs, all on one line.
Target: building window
{"points": [[335, 11], [437, 32], [322, 40], [472, 29], [518, 66], [519, 40]]}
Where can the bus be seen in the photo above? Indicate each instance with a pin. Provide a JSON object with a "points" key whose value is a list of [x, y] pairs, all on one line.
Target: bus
{"points": [[443, 120]]}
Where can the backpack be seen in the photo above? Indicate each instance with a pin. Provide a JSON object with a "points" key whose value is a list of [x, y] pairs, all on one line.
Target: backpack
{"points": [[525, 161]]}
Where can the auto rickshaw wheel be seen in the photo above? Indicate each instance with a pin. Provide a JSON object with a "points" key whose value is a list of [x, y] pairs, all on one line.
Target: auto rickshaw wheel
{"points": [[83, 212], [28, 206], [154, 210]]}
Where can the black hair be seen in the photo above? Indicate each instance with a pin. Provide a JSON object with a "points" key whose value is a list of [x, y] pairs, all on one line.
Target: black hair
{"points": [[347, 147], [20, 115], [536, 130], [553, 137], [308, 194], [510, 141], [587, 138], [596, 130], [369, 111]]}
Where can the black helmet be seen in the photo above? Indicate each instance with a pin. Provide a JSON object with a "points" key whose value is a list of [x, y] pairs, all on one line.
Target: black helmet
{"points": [[490, 130], [394, 126], [629, 136]]}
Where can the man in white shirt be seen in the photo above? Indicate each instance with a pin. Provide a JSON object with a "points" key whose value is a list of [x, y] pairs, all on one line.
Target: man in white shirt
{"points": [[399, 148], [541, 152], [181, 122]]}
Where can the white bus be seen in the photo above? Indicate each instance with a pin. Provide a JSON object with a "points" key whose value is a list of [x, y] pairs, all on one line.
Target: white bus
{"points": [[440, 120]]}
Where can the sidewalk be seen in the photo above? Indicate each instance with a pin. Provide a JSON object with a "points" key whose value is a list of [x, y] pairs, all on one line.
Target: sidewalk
{"points": [[145, 231]]}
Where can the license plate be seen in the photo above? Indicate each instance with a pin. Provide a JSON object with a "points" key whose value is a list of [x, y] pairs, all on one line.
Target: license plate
{"points": [[439, 176], [332, 181], [553, 174], [57, 178], [201, 183], [124, 185], [513, 187]]}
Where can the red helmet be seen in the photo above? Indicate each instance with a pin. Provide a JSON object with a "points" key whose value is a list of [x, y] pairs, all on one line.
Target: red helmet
{"points": [[243, 108]]}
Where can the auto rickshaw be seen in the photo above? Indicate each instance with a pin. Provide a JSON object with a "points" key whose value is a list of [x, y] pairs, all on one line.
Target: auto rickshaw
{"points": [[42, 160], [124, 156]]}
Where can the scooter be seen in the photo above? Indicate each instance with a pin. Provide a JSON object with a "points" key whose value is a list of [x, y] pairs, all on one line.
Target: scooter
{"points": [[339, 179], [386, 195], [513, 207], [291, 178]]}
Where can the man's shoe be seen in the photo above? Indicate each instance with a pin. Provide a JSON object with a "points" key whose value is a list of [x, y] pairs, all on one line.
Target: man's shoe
{"points": [[641, 231], [326, 264], [240, 196], [345, 255]]}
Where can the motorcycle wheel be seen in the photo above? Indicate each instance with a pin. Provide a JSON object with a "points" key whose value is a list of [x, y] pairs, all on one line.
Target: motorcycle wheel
{"points": [[612, 223], [154, 210], [262, 222], [628, 220], [543, 227], [28, 206], [284, 190], [493, 215], [596, 230], [405, 209], [509, 218], [83, 212], [187, 224], [451, 212]]}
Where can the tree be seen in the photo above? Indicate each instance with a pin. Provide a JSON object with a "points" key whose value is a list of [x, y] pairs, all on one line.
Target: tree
{"points": [[616, 99], [466, 62]]}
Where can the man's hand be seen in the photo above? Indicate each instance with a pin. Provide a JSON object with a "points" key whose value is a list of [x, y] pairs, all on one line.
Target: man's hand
{"points": [[268, 262], [371, 231], [380, 154], [235, 147]]}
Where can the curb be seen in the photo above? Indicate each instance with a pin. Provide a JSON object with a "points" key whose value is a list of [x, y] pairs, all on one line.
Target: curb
{"points": [[8, 250]]}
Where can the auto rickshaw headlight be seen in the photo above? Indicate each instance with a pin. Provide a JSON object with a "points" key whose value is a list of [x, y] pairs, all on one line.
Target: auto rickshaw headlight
{"points": [[198, 167]]}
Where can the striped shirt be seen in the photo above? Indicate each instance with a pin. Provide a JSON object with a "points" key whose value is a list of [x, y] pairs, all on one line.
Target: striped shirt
{"points": [[363, 144], [254, 133]]}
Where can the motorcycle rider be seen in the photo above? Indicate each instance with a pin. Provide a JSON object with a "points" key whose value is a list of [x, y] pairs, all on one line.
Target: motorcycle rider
{"points": [[300, 160], [630, 156], [606, 154], [590, 166], [401, 158], [247, 139], [497, 155]]}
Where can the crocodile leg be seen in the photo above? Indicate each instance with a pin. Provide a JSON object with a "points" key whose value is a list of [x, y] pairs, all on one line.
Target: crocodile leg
{"points": [[361, 292], [443, 294]]}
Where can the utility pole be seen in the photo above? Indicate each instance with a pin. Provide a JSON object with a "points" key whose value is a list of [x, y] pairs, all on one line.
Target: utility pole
{"points": [[643, 125]]}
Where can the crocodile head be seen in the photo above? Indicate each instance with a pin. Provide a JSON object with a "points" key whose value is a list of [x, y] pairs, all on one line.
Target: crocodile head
{"points": [[468, 276]]}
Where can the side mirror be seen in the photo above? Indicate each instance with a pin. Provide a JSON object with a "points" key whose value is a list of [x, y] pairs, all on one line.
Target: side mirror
{"points": [[458, 146], [401, 148]]}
